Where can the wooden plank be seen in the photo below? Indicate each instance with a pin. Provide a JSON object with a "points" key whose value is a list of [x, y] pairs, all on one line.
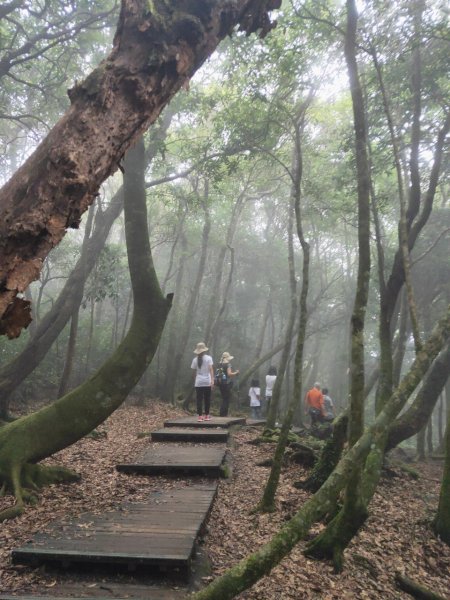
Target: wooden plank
{"points": [[176, 434], [215, 422], [174, 459], [156, 534], [103, 590], [255, 422]]}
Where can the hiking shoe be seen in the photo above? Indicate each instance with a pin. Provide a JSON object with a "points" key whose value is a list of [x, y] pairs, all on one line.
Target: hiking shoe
{"points": [[207, 418], [200, 418]]}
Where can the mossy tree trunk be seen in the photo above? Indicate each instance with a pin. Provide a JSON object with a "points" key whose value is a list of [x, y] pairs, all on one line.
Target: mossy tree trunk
{"points": [[441, 524], [334, 539], [415, 418], [330, 455], [243, 575], [32, 438], [158, 47], [267, 503]]}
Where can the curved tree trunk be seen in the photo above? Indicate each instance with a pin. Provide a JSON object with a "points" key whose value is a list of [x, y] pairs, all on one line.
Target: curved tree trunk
{"points": [[157, 48], [70, 297], [30, 439]]}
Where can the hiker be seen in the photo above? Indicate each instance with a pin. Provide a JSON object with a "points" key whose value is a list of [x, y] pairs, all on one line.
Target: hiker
{"points": [[314, 404], [255, 399], [328, 406], [270, 382], [223, 379], [202, 365]]}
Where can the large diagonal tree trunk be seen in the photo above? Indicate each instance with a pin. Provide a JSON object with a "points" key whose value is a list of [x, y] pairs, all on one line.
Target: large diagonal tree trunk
{"points": [[157, 48], [30, 439]]}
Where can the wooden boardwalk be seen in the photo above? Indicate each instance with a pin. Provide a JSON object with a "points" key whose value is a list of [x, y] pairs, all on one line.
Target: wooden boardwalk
{"points": [[215, 422], [158, 534], [171, 459], [185, 434]]}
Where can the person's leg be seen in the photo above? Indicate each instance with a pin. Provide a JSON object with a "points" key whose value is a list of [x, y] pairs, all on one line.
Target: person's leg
{"points": [[199, 393], [225, 392], [207, 398]]}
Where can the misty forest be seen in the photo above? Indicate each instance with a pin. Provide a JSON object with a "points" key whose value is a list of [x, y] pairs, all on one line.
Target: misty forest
{"points": [[262, 182]]}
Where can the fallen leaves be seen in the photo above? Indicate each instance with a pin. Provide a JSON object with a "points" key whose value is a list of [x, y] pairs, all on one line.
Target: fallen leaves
{"points": [[395, 538]]}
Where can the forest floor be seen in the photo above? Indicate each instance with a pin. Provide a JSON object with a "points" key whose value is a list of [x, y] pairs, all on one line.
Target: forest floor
{"points": [[396, 538]]}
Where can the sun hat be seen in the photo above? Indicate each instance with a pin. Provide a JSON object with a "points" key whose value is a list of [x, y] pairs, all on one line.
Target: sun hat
{"points": [[226, 357], [200, 348]]}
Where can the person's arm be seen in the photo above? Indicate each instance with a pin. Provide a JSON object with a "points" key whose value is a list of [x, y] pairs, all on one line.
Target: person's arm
{"points": [[322, 406], [211, 371], [231, 373]]}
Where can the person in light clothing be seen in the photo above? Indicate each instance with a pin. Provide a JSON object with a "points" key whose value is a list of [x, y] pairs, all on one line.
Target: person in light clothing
{"points": [[202, 366], [255, 399], [270, 382]]}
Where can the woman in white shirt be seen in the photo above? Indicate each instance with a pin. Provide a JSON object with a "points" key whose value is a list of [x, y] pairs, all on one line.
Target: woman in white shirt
{"points": [[270, 382], [202, 365]]}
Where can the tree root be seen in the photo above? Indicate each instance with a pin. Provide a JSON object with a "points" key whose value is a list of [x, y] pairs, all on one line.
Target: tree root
{"points": [[329, 457], [331, 543], [415, 589], [25, 480]]}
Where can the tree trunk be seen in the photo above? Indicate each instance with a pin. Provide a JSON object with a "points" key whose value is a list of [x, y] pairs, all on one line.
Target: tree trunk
{"points": [[30, 439], [174, 362], [441, 522], [276, 393], [267, 503], [70, 355], [415, 418], [156, 51], [354, 512]]}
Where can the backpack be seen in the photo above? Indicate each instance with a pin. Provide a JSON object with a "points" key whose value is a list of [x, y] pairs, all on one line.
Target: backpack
{"points": [[221, 377]]}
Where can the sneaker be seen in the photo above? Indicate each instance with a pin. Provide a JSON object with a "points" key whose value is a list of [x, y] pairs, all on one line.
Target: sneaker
{"points": [[200, 418], [207, 418]]}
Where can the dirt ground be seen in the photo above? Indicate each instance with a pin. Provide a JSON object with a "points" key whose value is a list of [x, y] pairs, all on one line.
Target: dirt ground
{"points": [[396, 538]]}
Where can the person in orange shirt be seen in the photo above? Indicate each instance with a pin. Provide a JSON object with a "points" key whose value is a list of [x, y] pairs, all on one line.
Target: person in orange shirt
{"points": [[314, 405]]}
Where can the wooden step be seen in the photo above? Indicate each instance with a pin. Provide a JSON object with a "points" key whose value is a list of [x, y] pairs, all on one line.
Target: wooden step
{"points": [[214, 422], [159, 534], [171, 459], [174, 434]]}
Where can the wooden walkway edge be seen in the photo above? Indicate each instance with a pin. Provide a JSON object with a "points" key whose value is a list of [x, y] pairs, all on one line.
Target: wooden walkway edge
{"points": [[160, 534], [170, 459]]}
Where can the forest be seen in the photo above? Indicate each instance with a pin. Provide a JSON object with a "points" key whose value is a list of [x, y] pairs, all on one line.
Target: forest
{"points": [[266, 178]]}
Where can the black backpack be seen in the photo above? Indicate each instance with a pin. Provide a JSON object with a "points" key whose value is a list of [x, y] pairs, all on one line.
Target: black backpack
{"points": [[221, 377]]}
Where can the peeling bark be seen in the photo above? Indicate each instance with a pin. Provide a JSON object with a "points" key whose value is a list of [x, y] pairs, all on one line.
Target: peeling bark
{"points": [[157, 48]]}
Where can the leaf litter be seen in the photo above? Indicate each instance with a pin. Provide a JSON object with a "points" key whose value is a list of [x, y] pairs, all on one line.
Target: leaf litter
{"points": [[396, 538]]}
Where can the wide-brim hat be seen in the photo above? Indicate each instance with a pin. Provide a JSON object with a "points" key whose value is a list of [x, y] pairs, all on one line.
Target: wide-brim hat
{"points": [[200, 348], [226, 357]]}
